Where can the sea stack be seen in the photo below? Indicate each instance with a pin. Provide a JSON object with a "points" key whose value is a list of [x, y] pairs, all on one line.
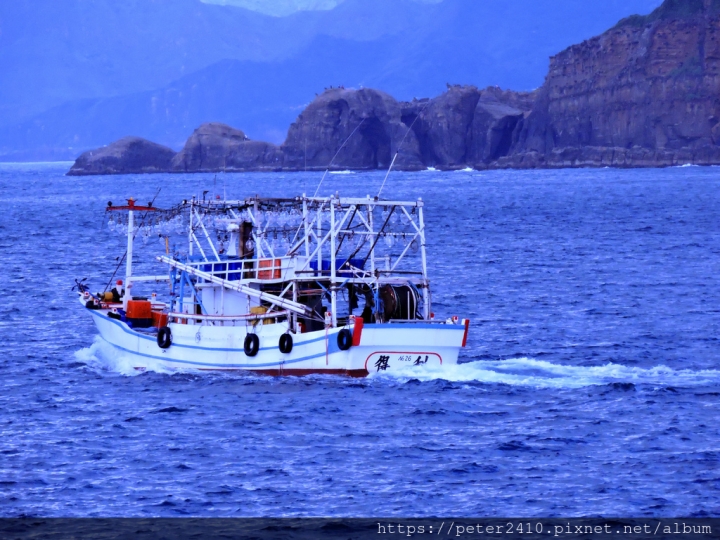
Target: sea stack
{"points": [[218, 147], [126, 156], [351, 129]]}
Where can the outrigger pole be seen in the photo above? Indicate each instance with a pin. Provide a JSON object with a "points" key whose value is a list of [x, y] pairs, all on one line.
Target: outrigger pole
{"points": [[234, 286]]}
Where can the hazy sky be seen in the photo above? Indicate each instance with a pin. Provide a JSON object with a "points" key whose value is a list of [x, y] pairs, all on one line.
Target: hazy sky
{"points": [[286, 7]]}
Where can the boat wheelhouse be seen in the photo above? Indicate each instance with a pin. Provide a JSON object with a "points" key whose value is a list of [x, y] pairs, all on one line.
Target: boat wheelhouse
{"points": [[279, 286]]}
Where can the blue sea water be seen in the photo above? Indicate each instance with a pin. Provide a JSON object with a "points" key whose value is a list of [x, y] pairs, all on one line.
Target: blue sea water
{"points": [[590, 384]]}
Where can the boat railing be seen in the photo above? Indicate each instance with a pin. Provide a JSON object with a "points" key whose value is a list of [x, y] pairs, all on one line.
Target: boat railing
{"points": [[282, 268], [268, 268], [228, 318], [412, 321]]}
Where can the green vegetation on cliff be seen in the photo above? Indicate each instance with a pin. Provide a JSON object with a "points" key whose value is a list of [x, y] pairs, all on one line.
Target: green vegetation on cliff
{"points": [[672, 9]]}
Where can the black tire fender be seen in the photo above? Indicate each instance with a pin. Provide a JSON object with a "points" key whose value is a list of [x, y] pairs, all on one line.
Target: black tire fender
{"points": [[344, 339], [251, 345], [164, 337], [286, 343]]}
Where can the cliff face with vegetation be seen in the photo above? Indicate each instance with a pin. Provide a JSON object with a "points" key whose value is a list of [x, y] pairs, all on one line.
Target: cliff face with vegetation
{"points": [[645, 93]]}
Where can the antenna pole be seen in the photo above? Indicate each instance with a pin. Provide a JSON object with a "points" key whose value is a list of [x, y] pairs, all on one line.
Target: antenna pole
{"points": [[336, 155], [397, 152]]}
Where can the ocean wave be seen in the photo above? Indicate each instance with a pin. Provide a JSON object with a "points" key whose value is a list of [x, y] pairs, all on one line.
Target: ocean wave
{"points": [[542, 374], [102, 356], [342, 172]]}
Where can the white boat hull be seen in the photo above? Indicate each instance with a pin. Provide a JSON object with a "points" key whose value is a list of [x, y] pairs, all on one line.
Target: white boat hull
{"points": [[376, 347]]}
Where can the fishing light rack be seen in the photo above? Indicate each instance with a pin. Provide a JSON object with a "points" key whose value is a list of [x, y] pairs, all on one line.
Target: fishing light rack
{"points": [[333, 241]]}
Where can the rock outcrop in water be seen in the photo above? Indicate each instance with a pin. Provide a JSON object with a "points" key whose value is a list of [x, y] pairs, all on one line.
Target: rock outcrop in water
{"points": [[351, 129], [125, 156], [218, 147], [465, 126], [643, 94], [447, 132], [354, 129]]}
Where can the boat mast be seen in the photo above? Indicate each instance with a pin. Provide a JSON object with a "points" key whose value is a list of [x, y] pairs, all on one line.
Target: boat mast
{"points": [[306, 225], [426, 283], [190, 226], [130, 208], [372, 235], [128, 262], [333, 280]]}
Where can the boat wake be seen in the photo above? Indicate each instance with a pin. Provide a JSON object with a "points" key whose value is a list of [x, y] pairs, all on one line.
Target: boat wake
{"points": [[515, 371], [104, 357], [542, 374]]}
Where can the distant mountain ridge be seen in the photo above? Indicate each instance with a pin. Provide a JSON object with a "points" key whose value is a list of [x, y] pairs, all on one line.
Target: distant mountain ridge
{"points": [[81, 74]]}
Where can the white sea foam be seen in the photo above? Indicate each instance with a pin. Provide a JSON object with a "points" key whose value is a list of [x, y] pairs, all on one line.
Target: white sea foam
{"points": [[687, 165], [466, 169], [431, 169], [542, 374], [342, 172], [515, 371], [103, 356]]}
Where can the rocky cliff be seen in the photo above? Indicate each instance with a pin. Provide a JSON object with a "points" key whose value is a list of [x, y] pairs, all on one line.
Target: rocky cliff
{"points": [[364, 129], [351, 129], [217, 147], [346, 129], [465, 126], [644, 93]]}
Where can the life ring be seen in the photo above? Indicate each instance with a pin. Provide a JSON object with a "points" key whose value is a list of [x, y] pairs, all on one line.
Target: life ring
{"points": [[251, 345], [286, 343], [344, 339], [164, 337]]}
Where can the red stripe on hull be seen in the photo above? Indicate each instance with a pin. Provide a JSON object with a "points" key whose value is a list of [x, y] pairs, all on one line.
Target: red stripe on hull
{"points": [[356, 373]]}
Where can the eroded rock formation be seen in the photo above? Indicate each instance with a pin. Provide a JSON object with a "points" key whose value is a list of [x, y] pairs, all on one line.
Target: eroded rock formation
{"points": [[218, 147], [465, 126], [351, 129], [125, 156]]}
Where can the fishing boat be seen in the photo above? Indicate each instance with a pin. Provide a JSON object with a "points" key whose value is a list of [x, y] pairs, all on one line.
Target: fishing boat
{"points": [[281, 286]]}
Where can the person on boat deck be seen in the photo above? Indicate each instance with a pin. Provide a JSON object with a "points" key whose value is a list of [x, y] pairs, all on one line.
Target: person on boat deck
{"points": [[118, 291]]}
